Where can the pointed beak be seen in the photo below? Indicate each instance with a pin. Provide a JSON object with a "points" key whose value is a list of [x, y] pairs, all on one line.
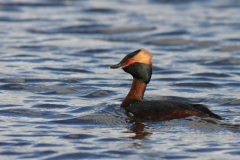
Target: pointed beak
{"points": [[119, 65]]}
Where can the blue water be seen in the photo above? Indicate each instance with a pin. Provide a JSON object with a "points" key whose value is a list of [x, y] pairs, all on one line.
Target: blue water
{"points": [[60, 100]]}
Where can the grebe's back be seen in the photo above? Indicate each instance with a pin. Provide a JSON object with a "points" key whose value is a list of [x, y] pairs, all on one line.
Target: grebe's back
{"points": [[167, 110]]}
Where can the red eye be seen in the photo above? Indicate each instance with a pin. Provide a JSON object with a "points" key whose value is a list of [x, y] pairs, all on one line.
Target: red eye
{"points": [[129, 63]]}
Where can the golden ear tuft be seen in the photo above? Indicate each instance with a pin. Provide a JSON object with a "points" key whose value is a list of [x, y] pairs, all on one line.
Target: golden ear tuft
{"points": [[143, 57]]}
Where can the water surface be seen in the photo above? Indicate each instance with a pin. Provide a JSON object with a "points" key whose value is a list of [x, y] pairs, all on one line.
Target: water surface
{"points": [[60, 100]]}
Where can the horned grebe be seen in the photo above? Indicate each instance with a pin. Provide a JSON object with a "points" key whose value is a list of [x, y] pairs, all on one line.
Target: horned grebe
{"points": [[139, 65]]}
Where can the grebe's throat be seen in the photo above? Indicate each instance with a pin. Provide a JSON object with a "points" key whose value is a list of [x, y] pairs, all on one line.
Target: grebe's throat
{"points": [[135, 94]]}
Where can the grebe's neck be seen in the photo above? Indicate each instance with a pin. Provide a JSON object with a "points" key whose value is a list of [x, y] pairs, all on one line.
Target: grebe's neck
{"points": [[135, 94]]}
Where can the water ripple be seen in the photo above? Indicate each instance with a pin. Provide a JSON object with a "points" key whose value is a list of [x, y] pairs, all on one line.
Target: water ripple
{"points": [[60, 100]]}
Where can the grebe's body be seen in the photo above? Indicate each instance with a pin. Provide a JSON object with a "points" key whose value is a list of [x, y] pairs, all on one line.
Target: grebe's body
{"points": [[139, 65]]}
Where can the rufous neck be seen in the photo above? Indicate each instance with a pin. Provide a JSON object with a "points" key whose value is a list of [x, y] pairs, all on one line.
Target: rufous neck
{"points": [[135, 94]]}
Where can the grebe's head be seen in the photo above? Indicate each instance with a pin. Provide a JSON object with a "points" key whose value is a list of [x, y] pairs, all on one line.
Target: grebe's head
{"points": [[138, 64]]}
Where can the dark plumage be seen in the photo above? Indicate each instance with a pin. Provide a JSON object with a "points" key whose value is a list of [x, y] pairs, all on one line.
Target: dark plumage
{"points": [[140, 71], [163, 110]]}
